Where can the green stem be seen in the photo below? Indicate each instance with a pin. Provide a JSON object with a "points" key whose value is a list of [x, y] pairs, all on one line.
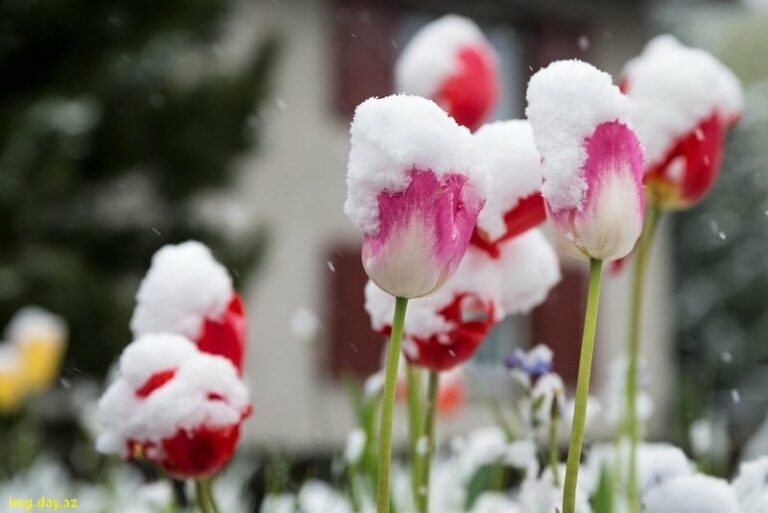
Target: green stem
{"points": [[428, 434], [388, 407], [414, 384], [554, 456], [204, 496], [582, 387], [631, 424]]}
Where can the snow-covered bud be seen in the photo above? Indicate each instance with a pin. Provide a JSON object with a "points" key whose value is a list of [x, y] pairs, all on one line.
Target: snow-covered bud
{"points": [[40, 338], [173, 405], [686, 100], [508, 152], [414, 190], [451, 62], [187, 292], [592, 160]]}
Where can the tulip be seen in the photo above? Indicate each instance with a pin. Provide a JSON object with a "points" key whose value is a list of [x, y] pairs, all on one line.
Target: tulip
{"points": [[593, 191], [592, 161], [415, 192], [452, 63], [186, 291], [177, 407], [41, 339], [686, 102], [515, 205]]}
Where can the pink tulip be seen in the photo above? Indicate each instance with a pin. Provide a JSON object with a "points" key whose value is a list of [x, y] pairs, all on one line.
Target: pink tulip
{"points": [[592, 160], [414, 191]]}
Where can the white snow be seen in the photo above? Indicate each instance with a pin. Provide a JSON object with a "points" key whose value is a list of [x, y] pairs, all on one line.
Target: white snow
{"points": [[548, 393], [184, 286], [674, 87], [508, 152], [182, 403], [431, 55], [393, 135], [494, 502], [692, 494], [567, 101], [353, 450], [304, 323], [35, 324], [529, 269], [751, 486]]}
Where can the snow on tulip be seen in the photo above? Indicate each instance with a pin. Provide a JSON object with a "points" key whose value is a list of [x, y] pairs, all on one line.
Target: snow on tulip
{"points": [[414, 191], [508, 152], [174, 405], [592, 161], [186, 291], [686, 101], [451, 62], [750, 486]]}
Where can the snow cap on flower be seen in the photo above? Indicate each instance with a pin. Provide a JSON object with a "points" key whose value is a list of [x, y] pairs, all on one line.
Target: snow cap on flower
{"points": [[187, 292], [534, 362], [184, 286], [686, 99], [414, 189], [694, 493], [508, 152], [450, 61], [592, 161], [174, 405]]}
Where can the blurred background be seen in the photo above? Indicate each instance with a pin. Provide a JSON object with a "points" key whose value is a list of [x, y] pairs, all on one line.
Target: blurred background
{"points": [[127, 125]]}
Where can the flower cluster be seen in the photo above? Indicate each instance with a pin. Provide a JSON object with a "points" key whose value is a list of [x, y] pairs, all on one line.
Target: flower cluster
{"points": [[178, 399], [31, 358]]}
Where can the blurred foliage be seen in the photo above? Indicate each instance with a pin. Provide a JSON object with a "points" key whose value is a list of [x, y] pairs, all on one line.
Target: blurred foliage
{"points": [[115, 115], [721, 251]]}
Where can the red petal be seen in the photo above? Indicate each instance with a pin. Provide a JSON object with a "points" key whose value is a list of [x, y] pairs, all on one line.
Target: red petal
{"points": [[437, 352], [226, 336], [199, 453], [469, 95], [528, 213], [154, 382]]}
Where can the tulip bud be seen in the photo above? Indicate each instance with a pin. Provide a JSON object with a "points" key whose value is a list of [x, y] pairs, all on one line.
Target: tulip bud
{"points": [[413, 190], [685, 102], [451, 62], [592, 160], [174, 406], [187, 292], [41, 339], [508, 152]]}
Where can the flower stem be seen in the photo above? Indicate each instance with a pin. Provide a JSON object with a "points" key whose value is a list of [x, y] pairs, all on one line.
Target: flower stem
{"points": [[204, 495], [414, 384], [582, 387], [631, 424], [554, 456], [428, 435], [388, 407]]}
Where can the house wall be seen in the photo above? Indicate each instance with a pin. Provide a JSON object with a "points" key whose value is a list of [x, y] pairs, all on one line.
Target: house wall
{"points": [[296, 187]]}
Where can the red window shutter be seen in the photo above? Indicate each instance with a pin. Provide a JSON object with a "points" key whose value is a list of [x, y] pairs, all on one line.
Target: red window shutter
{"points": [[354, 348], [364, 52], [559, 321]]}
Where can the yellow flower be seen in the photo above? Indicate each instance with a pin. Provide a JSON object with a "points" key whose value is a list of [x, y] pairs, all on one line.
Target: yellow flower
{"points": [[12, 389], [40, 338]]}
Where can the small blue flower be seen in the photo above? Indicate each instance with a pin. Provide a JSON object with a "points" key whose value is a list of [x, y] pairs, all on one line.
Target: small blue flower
{"points": [[534, 363]]}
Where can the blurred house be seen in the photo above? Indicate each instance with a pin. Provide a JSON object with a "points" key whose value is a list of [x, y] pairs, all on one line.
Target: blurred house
{"points": [[308, 328]]}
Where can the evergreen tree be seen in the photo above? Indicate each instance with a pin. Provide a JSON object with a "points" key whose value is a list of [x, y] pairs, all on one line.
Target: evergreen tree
{"points": [[113, 118]]}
